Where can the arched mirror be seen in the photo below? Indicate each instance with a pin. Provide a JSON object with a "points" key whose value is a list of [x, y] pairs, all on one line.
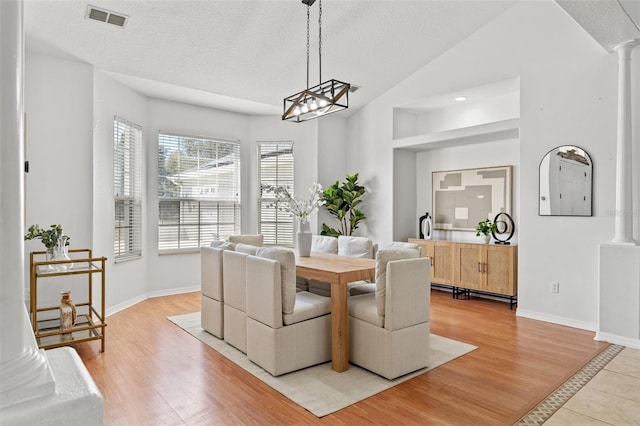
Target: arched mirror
{"points": [[565, 182]]}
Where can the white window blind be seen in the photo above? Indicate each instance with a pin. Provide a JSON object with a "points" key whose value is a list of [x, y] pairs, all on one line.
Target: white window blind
{"points": [[198, 191], [127, 185], [275, 168]]}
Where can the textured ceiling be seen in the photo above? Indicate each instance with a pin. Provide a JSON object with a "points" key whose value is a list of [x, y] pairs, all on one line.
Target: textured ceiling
{"points": [[606, 20], [229, 52], [246, 55]]}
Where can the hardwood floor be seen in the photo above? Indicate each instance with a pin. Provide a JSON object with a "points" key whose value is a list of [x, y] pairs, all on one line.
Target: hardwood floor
{"points": [[154, 373]]}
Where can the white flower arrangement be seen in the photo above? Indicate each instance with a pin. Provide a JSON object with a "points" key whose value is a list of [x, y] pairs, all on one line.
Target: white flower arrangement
{"points": [[298, 207]]}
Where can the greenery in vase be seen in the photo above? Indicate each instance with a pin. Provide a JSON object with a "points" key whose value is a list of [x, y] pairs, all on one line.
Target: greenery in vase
{"points": [[49, 237], [485, 227], [341, 201]]}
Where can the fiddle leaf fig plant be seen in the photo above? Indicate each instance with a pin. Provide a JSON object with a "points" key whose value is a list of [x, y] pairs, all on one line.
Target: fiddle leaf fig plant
{"points": [[341, 200]]}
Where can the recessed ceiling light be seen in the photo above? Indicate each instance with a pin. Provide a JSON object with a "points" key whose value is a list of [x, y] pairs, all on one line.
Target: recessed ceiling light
{"points": [[460, 98]]}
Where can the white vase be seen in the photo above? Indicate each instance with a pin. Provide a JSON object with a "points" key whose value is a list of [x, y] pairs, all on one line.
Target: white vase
{"points": [[60, 252], [303, 239], [486, 238]]}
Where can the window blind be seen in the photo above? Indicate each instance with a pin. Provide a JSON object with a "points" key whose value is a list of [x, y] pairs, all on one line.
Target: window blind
{"points": [[275, 168], [198, 191], [127, 185]]}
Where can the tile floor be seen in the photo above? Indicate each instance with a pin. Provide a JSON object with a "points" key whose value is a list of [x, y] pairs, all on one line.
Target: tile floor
{"points": [[612, 397]]}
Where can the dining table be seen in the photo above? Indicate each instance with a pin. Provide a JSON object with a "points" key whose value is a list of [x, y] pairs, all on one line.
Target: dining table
{"points": [[338, 271]]}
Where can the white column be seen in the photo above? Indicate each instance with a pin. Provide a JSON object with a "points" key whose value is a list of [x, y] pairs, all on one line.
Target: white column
{"points": [[24, 370], [624, 197]]}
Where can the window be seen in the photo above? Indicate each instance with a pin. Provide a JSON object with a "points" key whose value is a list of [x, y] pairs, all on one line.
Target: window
{"points": [[275, 167], [127, 187], [198, 191]]}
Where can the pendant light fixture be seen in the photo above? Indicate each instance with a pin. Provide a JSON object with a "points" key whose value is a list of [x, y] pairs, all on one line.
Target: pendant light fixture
{"points": [[325, 98]]}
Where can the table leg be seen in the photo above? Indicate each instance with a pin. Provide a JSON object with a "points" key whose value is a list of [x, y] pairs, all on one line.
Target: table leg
{"points": [[339, 328]]}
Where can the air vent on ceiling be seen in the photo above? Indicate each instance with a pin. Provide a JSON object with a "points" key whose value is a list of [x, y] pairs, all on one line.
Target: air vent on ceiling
{"points": [[106, 16]]}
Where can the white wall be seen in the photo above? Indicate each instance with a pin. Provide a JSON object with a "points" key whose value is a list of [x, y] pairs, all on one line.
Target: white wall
{"points": [[59, 187], [331, 160], [405, 188], [126, 281], [58, 106], [568, 96]]}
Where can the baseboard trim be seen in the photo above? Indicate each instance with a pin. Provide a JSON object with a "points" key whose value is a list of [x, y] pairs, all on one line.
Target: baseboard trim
{"points": [[172, 291], [149, 295], [618, 340], [126, 304], [569, 322]]}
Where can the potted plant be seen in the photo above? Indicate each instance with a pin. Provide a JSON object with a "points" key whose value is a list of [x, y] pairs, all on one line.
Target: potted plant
{"points": [[52, 238], [341, 201], [49, 237], [484, 228]]}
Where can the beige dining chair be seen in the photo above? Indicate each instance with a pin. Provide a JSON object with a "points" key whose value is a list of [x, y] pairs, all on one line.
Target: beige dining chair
{"points": [[251, 239], [389, 329], [211, 288], [235, 295], [363, 287], [322, 244], [286, 330]]}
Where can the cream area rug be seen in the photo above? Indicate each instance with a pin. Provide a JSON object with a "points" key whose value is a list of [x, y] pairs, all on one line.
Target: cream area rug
{"points": [[319, 389]]}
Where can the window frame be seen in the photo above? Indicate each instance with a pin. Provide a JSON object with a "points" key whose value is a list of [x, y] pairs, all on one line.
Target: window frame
{"points": [[189, 216], [127, 190], [284, 221]]}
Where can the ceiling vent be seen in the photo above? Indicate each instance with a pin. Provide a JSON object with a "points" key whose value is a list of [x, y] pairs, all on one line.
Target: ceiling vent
{"points": [[106, 16]]}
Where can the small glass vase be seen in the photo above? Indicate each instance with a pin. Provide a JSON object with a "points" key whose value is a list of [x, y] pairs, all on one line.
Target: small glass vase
{"points": [[61, 253], [68, 314], [303, 239]]}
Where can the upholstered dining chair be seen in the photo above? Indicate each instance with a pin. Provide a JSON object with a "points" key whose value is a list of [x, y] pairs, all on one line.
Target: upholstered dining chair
{"points": [[363, 287], [235, 294], [286, 330], [251, 239], [211, 288], [389, 329], [355, 246], [322, 244]]}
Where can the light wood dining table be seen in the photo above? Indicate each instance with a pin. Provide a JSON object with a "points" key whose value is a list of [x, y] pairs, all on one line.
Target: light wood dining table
{"points": [[338, 271]]}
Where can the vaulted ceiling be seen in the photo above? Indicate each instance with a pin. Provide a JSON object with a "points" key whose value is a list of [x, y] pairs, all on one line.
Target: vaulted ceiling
{"points": [[246, 55]]}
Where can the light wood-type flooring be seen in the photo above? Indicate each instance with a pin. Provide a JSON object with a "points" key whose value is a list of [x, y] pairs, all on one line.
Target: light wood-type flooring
{"points": [[154, 373]]}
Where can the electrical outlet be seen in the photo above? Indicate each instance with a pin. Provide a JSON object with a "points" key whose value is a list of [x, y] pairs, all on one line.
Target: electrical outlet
{"points": [[555, 287]]}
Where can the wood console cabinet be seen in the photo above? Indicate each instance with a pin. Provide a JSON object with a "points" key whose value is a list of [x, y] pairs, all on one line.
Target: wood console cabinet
{"points": [[442, 255], [484, 268]]}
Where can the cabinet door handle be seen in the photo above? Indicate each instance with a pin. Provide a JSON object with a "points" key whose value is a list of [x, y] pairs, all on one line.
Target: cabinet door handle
{"points": [[431, 258], [479, 267], [484, 267]]}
